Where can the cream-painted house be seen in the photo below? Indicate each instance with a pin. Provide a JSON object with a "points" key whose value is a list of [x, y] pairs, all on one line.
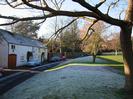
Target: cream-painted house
{"points": [[17, 50]]}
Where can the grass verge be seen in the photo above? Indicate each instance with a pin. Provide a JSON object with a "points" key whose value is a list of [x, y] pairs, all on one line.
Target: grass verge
{"points": [[108, 60], [116, 59]]}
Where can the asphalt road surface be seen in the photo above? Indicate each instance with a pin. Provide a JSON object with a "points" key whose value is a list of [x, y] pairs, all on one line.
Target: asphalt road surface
{"points": [[14, 79]]}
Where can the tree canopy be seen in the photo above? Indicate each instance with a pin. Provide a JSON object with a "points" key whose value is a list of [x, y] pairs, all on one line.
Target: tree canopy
{"points": [[25, 28], [52, 8]]}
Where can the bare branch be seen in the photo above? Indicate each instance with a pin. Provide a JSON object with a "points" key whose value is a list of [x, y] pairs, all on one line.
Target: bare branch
{"points": [[93, 11], [45, 8], [55, 4], [102, 16], [100, 3], [9, 17], [104, 29], [90, 28], [58, 13], [44, 2], [41, 2], [113, 4], [41, 22], [15, 19], [61, 3], [9, 23], [62, 13], [109, 8], [120, 14], [13, 6]]}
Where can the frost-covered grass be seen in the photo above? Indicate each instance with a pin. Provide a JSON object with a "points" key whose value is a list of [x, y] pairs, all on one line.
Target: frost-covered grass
{"points": [[77, 82]]}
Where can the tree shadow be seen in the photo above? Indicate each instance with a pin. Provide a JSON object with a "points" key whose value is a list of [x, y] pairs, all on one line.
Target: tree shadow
{"points": [[125, 94], [117, 68]]}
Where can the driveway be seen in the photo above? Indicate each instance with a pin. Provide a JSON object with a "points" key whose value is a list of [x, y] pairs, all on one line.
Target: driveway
{"points": [[73, 82], [13, 77]]}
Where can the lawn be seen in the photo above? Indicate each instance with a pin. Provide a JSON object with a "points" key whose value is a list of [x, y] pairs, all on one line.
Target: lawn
{"points": [[116, 59], [113, 58], [108, 60]]}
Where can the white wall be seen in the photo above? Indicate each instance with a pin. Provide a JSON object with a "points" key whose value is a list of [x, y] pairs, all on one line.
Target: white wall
{"points": [[3, 53], [38, 52], [21, 52], [36, 55], [46, 53]]}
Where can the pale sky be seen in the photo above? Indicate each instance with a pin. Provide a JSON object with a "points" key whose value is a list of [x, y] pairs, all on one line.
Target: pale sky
{"points": [[47, 28]]}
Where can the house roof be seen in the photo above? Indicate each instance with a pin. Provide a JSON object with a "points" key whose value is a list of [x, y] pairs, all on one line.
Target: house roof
{"points": [[19, 39]]}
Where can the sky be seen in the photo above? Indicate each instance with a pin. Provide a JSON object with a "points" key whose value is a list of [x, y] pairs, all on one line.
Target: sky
{"points": [[46, 28]]}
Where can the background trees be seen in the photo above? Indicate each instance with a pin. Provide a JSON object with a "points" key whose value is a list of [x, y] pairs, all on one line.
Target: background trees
{"points": [[25, 28], [66, 40], [115, 43], [112, 43], [70, 38]]}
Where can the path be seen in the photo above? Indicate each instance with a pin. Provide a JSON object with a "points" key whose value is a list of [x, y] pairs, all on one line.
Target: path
{"points": [[73, 82], [18, 76]]}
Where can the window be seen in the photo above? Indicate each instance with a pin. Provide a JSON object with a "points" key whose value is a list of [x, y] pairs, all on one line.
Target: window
{"points": [[22, 58], [13, 47]]}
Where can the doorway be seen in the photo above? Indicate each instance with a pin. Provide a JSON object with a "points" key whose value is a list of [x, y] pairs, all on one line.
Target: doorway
{"points": [[12, 60], [29, 56], [42, 57]]}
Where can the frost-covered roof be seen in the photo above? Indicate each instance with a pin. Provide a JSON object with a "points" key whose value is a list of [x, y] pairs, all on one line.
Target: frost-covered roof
{"points": [[19, 39]]}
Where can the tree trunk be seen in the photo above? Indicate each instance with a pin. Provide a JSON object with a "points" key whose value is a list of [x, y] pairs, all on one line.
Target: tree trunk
{"points": [[116, 52], [94, 58], [126, 44]]}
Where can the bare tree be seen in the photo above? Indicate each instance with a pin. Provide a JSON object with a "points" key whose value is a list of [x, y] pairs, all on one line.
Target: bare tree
{"points": [[91, 11]]}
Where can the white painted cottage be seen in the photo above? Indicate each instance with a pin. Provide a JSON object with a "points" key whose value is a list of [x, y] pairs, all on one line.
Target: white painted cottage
{"points": [[17, 50]]}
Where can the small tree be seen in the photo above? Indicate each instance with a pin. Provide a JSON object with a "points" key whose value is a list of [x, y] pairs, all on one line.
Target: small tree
{"points": [[94, 42]]}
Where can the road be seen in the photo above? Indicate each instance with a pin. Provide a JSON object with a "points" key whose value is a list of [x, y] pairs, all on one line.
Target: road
{"points": [[11, 81]]}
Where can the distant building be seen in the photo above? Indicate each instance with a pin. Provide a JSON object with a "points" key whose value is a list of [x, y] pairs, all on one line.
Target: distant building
{"points": [[17, 50]]}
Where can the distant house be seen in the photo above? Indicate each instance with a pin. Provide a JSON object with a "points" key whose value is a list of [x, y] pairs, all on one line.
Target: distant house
{"points": [[17, 50]]}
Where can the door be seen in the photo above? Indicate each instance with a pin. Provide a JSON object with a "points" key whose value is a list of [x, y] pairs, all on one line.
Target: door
{"points": [[12, 61], [42, 57], [29, 56]]}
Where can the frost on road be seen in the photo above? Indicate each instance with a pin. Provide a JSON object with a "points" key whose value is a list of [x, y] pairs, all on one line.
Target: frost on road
{"points": [[73, 82]]}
